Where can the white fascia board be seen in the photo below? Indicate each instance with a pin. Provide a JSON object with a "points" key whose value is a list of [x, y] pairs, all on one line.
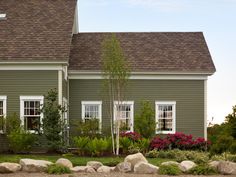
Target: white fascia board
{"points": [[142, 76], [75, 28], [32, 66]]}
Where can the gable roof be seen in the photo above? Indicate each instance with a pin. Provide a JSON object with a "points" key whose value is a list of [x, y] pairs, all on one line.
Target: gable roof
{"points": [[36, 30], [146, 52]]}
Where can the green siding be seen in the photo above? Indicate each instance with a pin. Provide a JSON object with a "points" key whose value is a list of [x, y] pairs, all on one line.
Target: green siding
{"points": [[25, 83], [188, 94]]}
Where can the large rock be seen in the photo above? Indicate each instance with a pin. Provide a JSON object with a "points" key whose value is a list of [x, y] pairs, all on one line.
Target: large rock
{"points": [[186, 165], [145, 168], [170, 163], [227, 168], [105, 169], [135, 159], [83, 169], [214, 164], [94, 164], [64, 162], [123, 167], [30, 165], [9, 167]]}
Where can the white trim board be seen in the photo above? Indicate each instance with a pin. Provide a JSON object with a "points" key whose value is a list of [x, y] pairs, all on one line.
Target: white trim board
{"points": [[143, 76]]}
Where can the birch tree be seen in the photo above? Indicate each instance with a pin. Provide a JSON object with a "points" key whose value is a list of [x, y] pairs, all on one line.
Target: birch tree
{"points": [[115, 75]]}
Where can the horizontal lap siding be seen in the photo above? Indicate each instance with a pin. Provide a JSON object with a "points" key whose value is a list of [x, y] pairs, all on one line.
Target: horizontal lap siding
{"points": [[189, 97], [14, 84]]}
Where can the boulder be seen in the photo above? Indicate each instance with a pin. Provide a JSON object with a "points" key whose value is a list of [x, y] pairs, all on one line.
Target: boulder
{"points": [[170, 163], [227, 168], [64, 162], [90, 170], [135, 159], [214, 164], [9, 167], [123, 167], [186, 165], [80, 168], [145, 168], [105, 169], [30, 165], [94, 164]]}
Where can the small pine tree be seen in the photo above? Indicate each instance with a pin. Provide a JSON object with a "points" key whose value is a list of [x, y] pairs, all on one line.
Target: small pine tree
{"points": [[52, 122], [146, 118], [231, 120]]}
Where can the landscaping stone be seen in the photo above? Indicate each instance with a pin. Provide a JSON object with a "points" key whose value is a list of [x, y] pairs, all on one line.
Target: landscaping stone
{"points": [[9, 167], [80, 168], [227, 168], [30, 165], [64, 162], [145, 168], [170, 163], [214, 164], [105, 169], [186, 165], [135, 159], [123, 167], [94, 164], [90, 170]]}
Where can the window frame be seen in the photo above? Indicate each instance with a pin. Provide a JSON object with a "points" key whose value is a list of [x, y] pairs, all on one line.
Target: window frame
{"points": [[131, 103], [173, 104], [22, 107], [4, 100], [99, 103]]}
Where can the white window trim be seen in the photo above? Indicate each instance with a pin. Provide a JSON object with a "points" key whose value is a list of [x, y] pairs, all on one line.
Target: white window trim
{"points": [[30, 98], [99, 103], [4, 100], [132, 111], [174, 115]]}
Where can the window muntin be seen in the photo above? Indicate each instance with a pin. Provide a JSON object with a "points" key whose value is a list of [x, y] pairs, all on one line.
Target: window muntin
{"points": [[31, 117], [92, 110], [165, 117], [2, 113], [124, 113]]}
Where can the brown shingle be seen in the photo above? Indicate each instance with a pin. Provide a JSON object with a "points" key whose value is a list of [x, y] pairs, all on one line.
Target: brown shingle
{"points": [[157, 52], [38, 30]]}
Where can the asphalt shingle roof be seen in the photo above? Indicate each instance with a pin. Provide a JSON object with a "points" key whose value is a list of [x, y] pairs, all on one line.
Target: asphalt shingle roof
{"points": [[146, 52], [36, 30]]}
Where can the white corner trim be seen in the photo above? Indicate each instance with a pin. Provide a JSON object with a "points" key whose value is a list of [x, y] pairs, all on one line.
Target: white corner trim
{"points": [[30, 98], [75, 28], [4, 100], [173, 103], [60, 87], [131, 103], [205, 109]]}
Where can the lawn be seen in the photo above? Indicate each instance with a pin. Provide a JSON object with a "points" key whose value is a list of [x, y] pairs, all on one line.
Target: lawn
{"points": [[76, 160]]}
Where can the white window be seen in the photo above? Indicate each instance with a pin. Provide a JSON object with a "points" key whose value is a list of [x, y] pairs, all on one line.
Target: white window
{"points": [[3, 112], [31, 117], [166, 116], [92, 110], [124, 112]]}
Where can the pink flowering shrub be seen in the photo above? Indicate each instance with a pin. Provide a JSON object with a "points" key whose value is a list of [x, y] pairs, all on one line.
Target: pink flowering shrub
{"points": [[179, 141], [134, 136]]}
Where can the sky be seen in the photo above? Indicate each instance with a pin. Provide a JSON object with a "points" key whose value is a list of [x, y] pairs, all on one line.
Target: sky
{"points": [[215, 18]]}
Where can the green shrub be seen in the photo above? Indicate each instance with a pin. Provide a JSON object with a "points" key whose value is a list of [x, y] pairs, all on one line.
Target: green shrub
{"points": [[134, 148], [223, 143], [225, 156], [203, 170], [21, 141], [152, 154], [169, 170], [125, 143], [57, 169], [143, 145], [98, 146], [232, 148], [12, 123], [81, 144], [146, 118]]}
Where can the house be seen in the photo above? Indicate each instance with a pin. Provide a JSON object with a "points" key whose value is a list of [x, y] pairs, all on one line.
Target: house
{"points": [[41, 48]]}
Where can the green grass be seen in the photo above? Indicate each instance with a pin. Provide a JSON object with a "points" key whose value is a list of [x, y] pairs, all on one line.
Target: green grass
{"points": [[76, 160]]}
